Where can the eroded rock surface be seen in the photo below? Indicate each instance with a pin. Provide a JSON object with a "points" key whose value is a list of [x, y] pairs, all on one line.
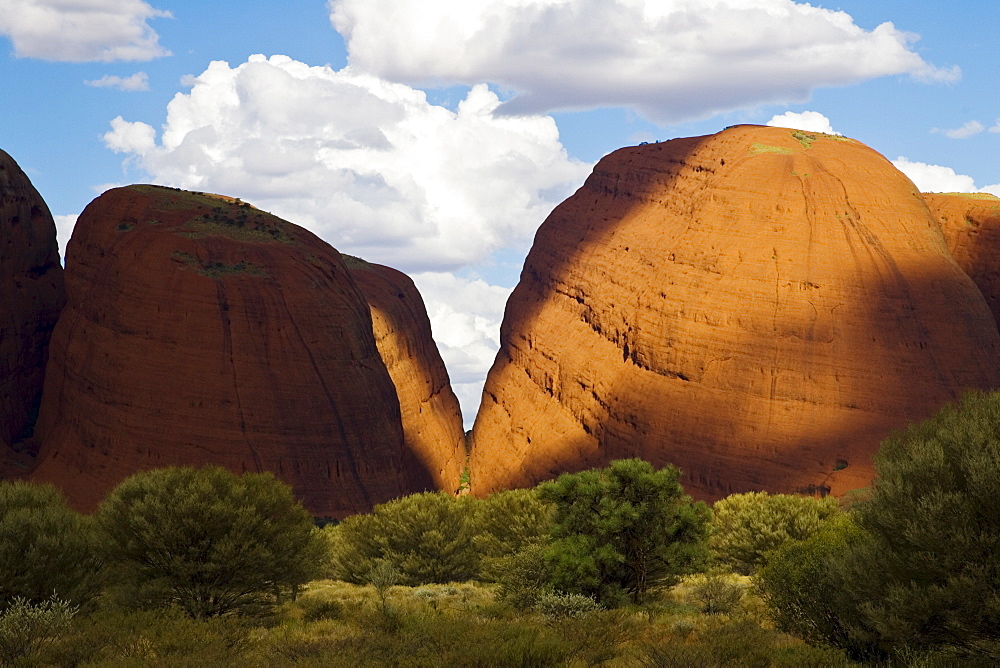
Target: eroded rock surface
{"points": [[432, 418], [200, 330], [31, 297], [759, 307], [971, 226]]}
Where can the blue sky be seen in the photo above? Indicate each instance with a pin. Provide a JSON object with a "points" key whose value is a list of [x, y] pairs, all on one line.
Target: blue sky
{"points": [[436, 136]]}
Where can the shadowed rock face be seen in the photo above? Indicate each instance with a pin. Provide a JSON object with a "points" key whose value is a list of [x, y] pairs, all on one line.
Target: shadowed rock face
{"points": [[432, 419], [31, 297], [201, 330], [759, 307], [971, 226]]}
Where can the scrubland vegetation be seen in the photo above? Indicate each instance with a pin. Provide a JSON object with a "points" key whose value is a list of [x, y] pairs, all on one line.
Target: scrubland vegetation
{"points": [[609, 567]]}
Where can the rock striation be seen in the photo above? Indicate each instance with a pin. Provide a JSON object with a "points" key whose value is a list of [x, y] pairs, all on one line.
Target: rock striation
{"points": [[432, 418], [971, 226], [199, 329], [31, 297], [759, 307]]}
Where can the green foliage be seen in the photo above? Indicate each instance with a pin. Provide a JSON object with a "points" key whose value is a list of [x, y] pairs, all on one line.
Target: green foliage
{"points": [[435, 625], [383, 576], [622, 530], [507, 522], [316, 609], [207, 540], [242, 222], [427, 537], [523, 576], [218, 269], [746, 527], [45, 547], [716, 593], [26, 628], [767, 148], [803, 585], [929, 575], [738, 643], [555, 605], [804, 138], [165, 637]]}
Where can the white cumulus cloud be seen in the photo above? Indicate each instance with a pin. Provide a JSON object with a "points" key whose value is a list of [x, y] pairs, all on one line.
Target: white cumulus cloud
{"points": [[967, 130], [125, 137], [672, 61], [370, 166], [465, 317], [810, 121], [136, 82], [996, 126], [377, 171], [939, 179], [82, 30]]}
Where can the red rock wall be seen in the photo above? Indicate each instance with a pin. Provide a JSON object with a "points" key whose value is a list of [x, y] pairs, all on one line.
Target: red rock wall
{"points": [[432, 418], [759, 307], [199, 330], [31, 297], [971, 226]]}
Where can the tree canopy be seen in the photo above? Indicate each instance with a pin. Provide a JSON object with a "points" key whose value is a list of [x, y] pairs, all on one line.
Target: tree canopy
{"points": [[746, 527], [45, 547], [931, 569], [208, 540], [427, 537], [622, 530]]}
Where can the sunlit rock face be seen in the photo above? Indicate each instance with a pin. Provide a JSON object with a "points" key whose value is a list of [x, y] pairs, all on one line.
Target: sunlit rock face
{"points": [[971, 226], [432, 418], [759, 307], [31, 297], [198, 330]]}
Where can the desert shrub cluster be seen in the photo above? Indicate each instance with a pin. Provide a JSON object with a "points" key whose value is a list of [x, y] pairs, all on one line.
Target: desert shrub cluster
{"points": [[613, 566]]}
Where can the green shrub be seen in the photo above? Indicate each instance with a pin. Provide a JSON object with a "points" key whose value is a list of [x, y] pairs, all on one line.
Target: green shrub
{"points": [[746, 527], [739, 643], [163, 637], [804, 588], [26, 628], [426, 537], [506, 522], [207, 540], [716, 593], [316, 609], [622, 530], [554, 605], [929, 573], [45, 547], [523, 576]]}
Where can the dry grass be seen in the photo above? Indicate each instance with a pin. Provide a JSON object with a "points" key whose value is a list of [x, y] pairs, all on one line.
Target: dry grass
{"points": [[338, 624]]}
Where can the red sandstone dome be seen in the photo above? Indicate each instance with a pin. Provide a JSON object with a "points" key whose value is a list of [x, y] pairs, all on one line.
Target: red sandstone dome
{"points": [[199, 329], [759, 307], [432, 419], [971, 226], [31, 297]]}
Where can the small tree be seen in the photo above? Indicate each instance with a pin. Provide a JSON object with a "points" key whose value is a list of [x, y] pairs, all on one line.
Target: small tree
{"points": [[26, 628], [746, 527], [505, 523], [208, 540], [621, 530], [803, 585], [930, 573], [45, 548], [523, 576], [427, 537]]}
